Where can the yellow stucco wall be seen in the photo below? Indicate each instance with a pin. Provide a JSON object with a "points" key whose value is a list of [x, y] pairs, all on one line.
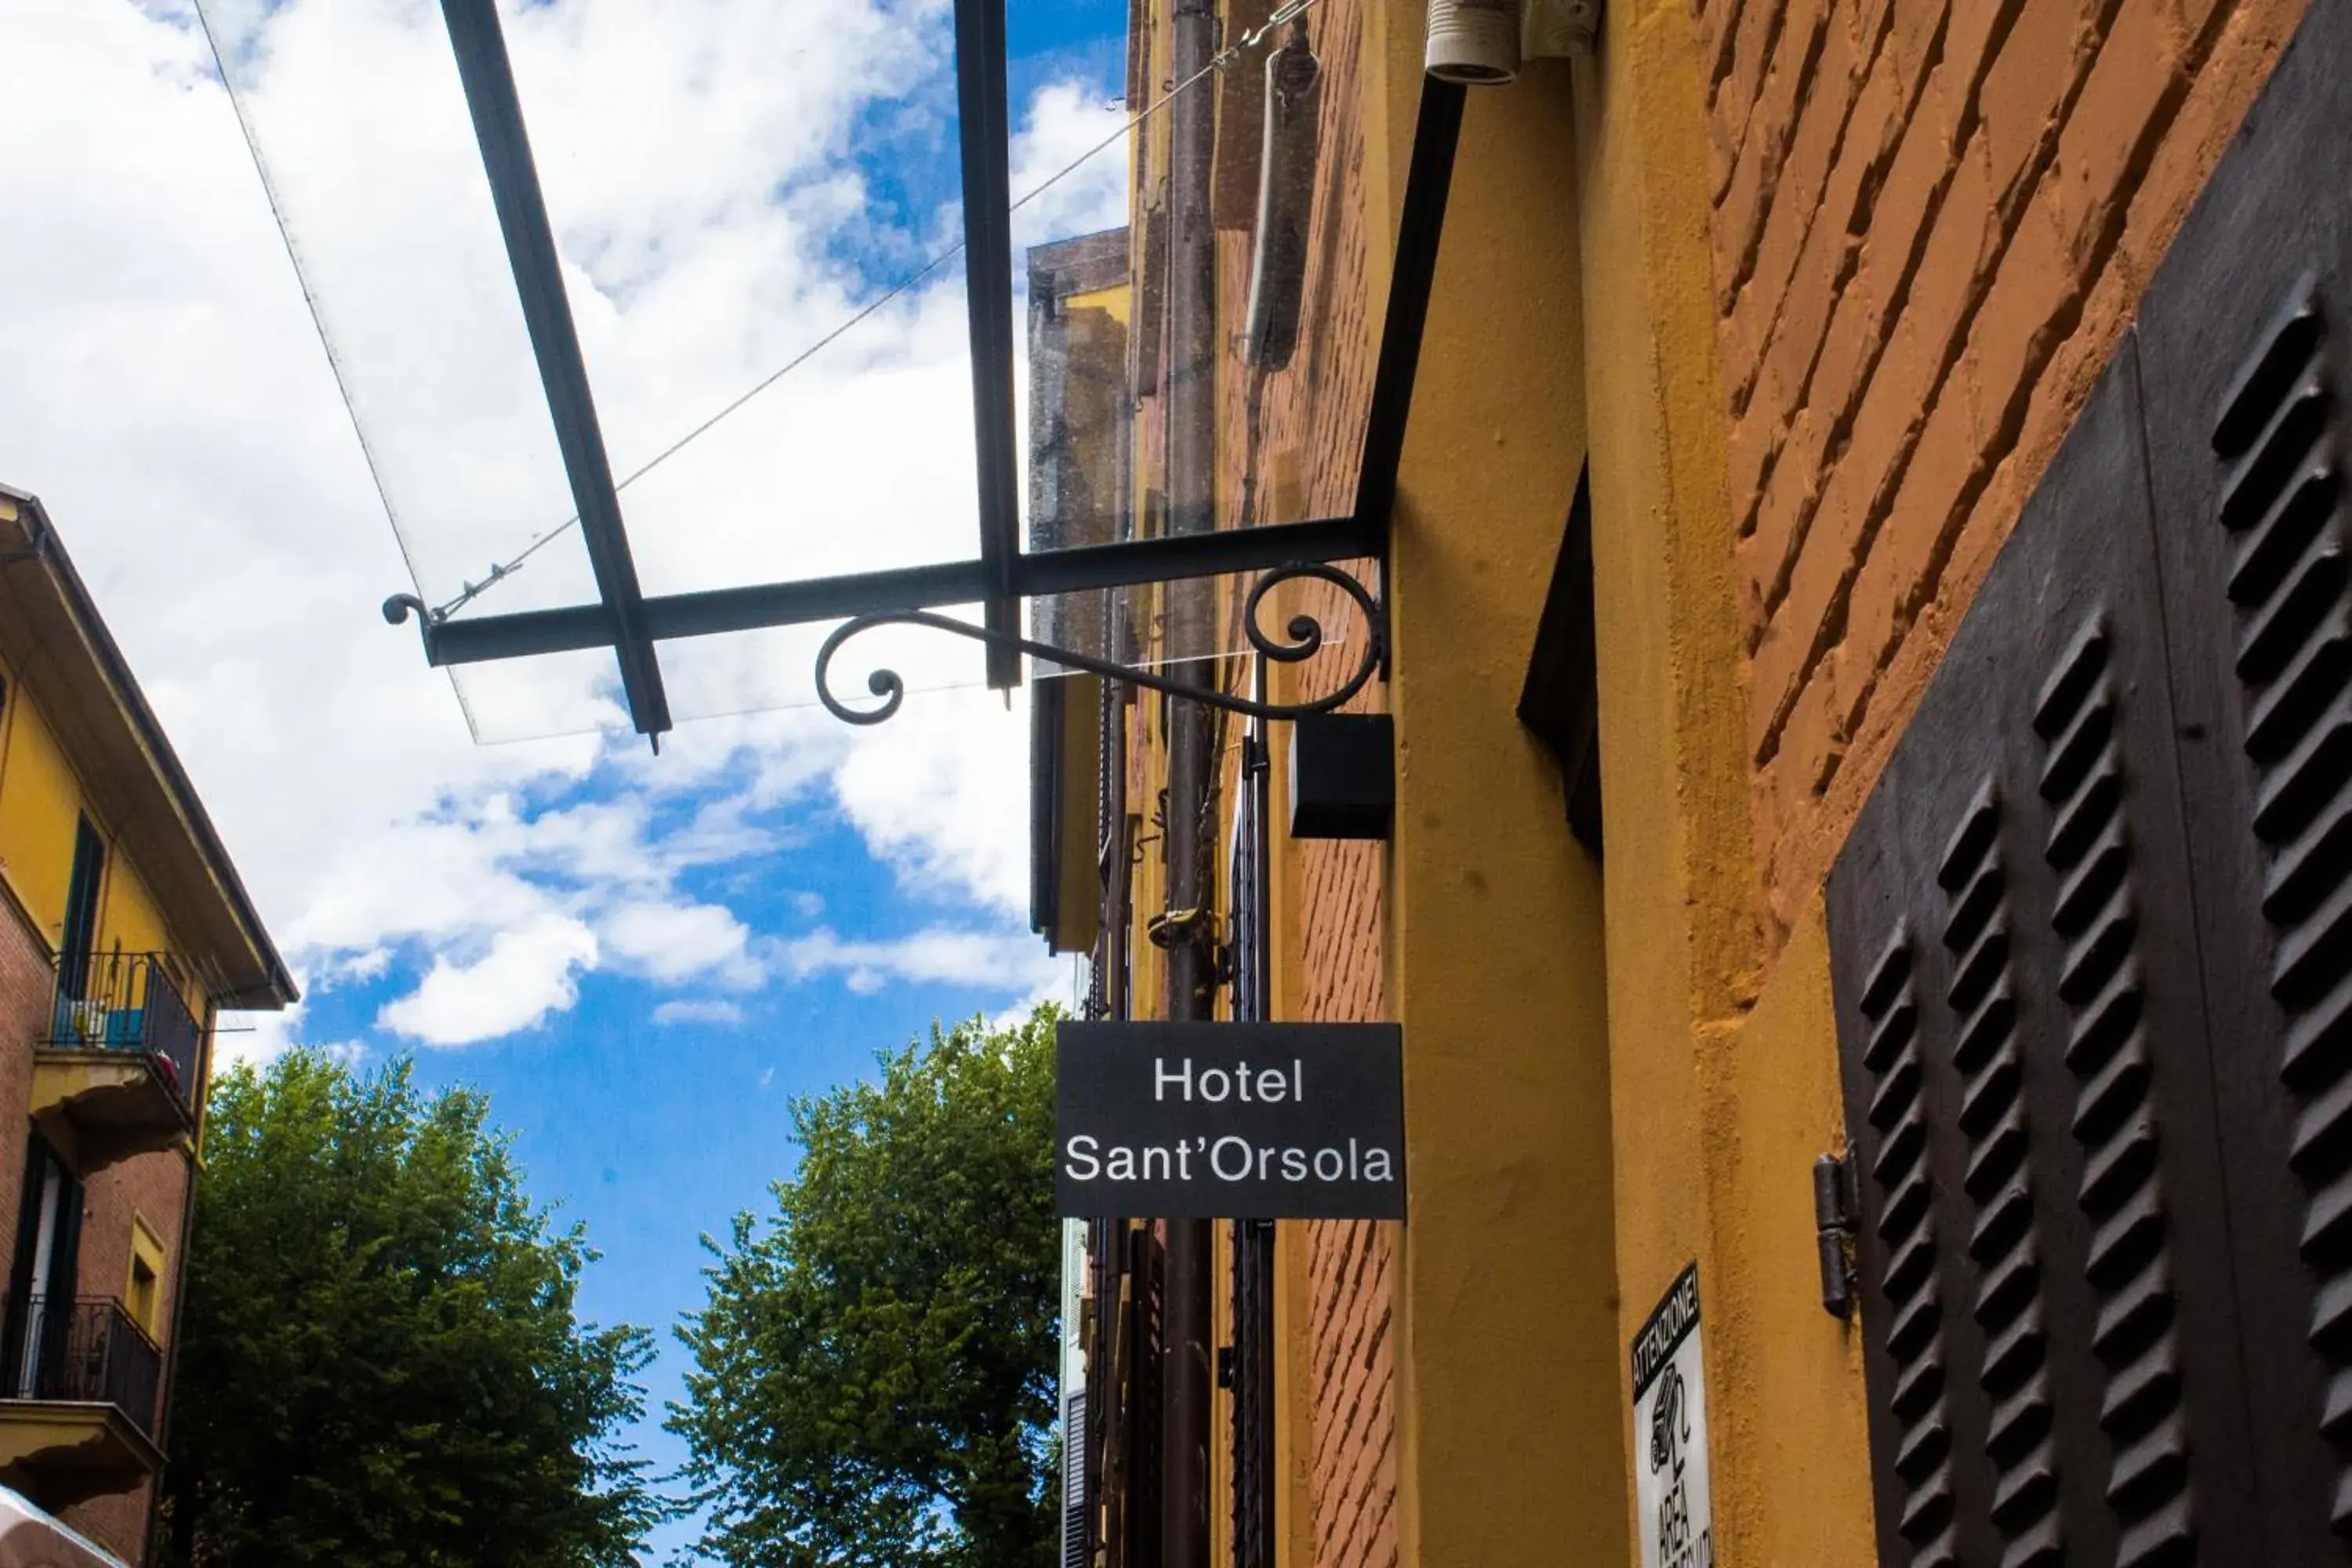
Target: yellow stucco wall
{"points": [[1790, 1432], [41, 801], [39, 798], [1720, 1098], [1510, 1439], [129, 919], [1114, 302]]}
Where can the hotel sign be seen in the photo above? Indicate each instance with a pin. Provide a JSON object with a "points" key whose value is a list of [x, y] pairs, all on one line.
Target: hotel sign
{"points": [[1229, 1120]]}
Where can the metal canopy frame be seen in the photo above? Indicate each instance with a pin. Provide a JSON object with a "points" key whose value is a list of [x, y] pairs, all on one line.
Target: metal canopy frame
{"points": [[1002, 575]]}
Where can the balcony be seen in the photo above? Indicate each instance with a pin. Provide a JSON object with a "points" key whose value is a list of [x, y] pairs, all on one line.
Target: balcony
{"points": [[80, 1387], [115, 1073]]}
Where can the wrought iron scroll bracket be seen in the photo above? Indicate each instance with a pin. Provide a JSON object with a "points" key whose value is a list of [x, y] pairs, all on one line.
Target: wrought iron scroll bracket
{"points": [[398, 608], [1302, 639]]}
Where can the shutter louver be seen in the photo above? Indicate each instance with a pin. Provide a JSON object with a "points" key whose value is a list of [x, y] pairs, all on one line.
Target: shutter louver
{"points": [[1906, 1236], [1074, 1480], [2001, 1240], [2100, 987]]}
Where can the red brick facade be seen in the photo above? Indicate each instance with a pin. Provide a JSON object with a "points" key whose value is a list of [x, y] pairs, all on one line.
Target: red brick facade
{"points": [[28, 989], [1932, 222], [152, 1188], [1306, 467], [1352, 1469]]}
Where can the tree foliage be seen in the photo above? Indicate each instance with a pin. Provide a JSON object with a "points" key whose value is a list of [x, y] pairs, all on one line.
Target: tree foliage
{"points": [[874, 1369], [379, 1363]]}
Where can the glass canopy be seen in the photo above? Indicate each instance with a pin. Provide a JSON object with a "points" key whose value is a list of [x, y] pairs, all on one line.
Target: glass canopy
{"points": [[687, 355]]}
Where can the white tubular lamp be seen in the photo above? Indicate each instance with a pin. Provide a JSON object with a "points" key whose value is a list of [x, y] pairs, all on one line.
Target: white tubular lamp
{"points": [[1474, 42]]}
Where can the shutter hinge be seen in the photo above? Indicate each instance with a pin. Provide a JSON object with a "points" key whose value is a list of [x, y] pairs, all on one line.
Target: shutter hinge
{"points": [[1834, 1208], [1228, 1364]]}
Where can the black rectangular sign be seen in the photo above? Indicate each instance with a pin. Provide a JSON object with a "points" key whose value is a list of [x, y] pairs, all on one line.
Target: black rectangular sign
{"points": [[1229, 1120]]}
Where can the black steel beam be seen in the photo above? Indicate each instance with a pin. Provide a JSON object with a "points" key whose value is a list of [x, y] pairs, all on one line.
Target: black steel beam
{"points": [[1173, 557], [984, 131], [710, 611], [488, 77], [486, 638], [1002, 575], [1428, 177]]}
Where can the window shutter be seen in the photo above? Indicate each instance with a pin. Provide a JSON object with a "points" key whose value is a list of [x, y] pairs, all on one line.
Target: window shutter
{"points": [[2048, 1315], [1074, 1480], [2246, 365]]}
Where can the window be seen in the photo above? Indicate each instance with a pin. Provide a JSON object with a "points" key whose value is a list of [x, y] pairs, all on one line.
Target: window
{"points": [[80, 935], [142, 1293], [41, 1284]]}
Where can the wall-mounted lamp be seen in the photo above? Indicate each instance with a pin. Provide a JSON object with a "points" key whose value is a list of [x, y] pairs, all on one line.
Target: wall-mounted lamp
{"points": [[1481, 43], [1473, 43]]}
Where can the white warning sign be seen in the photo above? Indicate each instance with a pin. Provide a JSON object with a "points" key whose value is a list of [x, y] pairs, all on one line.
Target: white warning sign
{"points": [[1670, 1478]]}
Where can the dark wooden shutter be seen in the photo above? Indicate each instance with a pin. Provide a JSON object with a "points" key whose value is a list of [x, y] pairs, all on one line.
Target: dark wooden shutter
{"points": [[2246, 365], [2049, 1320], [83, 885], [2108, 883], [1074, 1536]]}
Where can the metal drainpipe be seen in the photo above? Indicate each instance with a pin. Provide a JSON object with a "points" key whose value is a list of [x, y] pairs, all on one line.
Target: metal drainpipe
{"points": [[1191, 451]]}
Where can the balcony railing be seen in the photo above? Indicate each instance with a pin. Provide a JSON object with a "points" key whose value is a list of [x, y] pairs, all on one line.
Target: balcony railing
{"points": [[126, 1002], [81, 1353]]}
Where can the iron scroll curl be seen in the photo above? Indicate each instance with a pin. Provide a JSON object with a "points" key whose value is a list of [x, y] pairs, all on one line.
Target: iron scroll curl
{"points": [[1302, 639]]}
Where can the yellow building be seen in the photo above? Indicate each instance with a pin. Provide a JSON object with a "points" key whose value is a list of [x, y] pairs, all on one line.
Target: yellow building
{"points": [[1863, 869], [125, 931]]}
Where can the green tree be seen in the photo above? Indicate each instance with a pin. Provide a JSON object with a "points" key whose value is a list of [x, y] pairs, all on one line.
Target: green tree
{"points": [[380, 1364], [874, 1376]]}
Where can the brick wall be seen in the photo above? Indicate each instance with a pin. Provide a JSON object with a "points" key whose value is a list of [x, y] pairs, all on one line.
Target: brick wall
{"points": [[28, 986], [154, 1187], [1306, 457], [1336, 890], [1350, 1365], [1932, 220]]}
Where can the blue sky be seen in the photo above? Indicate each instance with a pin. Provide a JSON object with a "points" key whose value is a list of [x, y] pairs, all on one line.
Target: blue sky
{"points": [[655, 1134], [641, 960]]}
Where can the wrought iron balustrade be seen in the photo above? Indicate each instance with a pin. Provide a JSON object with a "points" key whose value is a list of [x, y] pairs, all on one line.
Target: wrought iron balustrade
{"points": [[126, 1002], [82, 1353]]}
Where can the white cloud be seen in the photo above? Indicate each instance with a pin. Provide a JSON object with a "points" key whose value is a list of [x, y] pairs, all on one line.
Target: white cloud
{"points": [[529, 971], [1062, 134], [259, 1038], [255, 1037], [936, 957], [673, 943], [698, 1011], [167, 399]]}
